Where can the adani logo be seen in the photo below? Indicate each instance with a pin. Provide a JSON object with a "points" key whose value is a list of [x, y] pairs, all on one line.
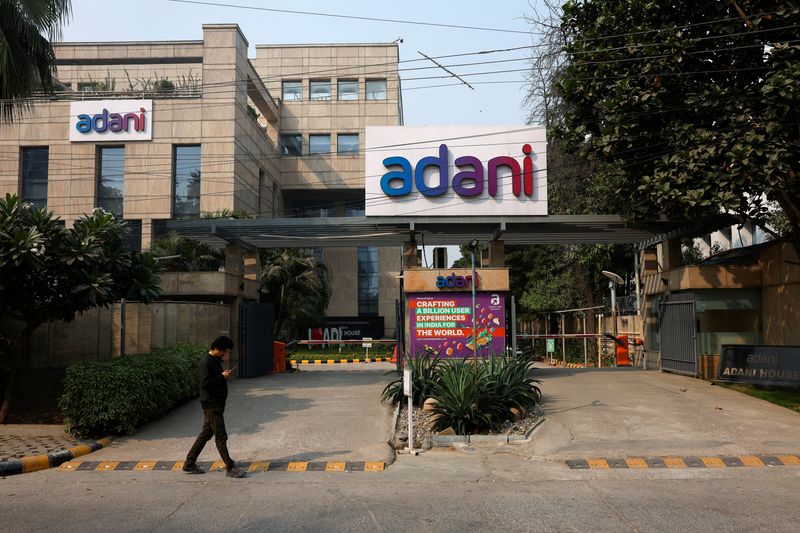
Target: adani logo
{"points": [[124, 120], [470, 180]]}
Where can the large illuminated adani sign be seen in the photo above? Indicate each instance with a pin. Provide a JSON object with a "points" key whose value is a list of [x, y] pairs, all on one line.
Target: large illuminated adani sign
{"points": [[111, 120], [455, 171]]}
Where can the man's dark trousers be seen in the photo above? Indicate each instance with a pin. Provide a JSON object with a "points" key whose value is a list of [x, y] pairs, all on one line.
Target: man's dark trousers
{"points": [[213, 425]]}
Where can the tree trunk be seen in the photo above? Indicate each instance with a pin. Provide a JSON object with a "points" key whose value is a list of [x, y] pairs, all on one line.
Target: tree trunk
{"points": [[12, 377], [792, 210]]}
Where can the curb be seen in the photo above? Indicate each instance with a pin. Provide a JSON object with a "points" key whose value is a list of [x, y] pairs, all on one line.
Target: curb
{"points": [[219, 466], [733, 461], [34, 463], [443, 441], [295, 362]]}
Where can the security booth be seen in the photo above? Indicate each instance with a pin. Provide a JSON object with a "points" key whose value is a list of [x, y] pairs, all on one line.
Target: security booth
{"points": [[440, 317]]}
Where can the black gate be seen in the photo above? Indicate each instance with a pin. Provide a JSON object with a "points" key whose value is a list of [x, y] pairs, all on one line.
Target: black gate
{"points": [[255, 339], [678, 332]]}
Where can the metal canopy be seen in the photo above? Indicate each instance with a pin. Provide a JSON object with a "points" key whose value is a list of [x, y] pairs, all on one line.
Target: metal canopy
{"points": [[394, 231]]}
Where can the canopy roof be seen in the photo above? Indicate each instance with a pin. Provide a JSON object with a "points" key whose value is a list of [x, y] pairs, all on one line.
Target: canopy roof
{"points": [[394, 231]]}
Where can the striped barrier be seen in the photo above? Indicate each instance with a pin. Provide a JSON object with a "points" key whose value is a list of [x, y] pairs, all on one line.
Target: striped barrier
{"points": [[295, 362], [732, 461], [35, 463]]}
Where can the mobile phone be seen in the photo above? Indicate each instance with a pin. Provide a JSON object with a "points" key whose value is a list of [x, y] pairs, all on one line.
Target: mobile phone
{"points": [[233, 369]]}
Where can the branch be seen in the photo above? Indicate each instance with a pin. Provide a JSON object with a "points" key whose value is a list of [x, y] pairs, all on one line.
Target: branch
{"points": [[743, 15]]}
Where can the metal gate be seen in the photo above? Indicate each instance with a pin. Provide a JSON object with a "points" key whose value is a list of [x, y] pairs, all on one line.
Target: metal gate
{"points": [[678, 332], [255, 339]]}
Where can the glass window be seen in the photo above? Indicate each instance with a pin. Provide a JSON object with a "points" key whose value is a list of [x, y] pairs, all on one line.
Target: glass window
{"points": [[111, 179], [34, 169], [133, 240], [376, 89], [368, 280], [292, 91], [347, 143], [320, 90], [319, 144], [186, 181], [292, 144], [348, 90]]}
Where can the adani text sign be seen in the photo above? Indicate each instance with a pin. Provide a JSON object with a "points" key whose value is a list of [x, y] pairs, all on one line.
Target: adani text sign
{"points": [[111, 120], [455, 170]]}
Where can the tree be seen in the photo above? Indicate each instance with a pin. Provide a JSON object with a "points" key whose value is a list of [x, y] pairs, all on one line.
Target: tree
{"points": [[27, 61], [298, 287], [685, 108], [182, 254], [50, 273]]}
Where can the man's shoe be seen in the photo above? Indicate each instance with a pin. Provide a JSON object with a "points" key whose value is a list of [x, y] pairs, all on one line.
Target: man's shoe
{"points": [[235, 472], [193, 469]]}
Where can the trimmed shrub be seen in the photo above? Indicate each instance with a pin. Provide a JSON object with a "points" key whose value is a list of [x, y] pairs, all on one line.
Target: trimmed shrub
{"points": [[114, 397]]}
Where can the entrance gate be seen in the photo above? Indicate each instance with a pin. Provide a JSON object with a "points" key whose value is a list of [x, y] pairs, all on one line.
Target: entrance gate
{"points": [[255, 339], [678, 332]]}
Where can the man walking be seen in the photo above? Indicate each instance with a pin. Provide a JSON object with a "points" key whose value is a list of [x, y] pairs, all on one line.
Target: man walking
{"points": [[213, 394]]}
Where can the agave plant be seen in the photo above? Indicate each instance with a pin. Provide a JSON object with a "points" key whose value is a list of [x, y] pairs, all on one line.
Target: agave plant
{"points": [[425, 376], [511, 381]]}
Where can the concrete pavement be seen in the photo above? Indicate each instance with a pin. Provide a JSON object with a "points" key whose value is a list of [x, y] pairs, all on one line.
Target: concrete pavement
{"points": [[632, 413], [323, 413]]}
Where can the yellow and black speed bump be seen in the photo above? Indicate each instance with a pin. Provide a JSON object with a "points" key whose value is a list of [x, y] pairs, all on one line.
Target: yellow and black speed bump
{"points": [[218, 466], [33, 463], [686, 462], [338, 361]]}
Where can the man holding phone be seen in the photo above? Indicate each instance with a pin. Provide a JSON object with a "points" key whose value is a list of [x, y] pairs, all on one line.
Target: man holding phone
{"points": [[213, 395]]}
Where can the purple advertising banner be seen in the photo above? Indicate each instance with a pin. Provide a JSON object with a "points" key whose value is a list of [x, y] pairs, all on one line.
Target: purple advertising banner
{"points": [[442, 323]]}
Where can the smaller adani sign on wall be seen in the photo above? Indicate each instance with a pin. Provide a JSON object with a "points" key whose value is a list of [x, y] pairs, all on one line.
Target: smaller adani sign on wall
{"points": [[455, 171], [111, 120], [760, 365]]}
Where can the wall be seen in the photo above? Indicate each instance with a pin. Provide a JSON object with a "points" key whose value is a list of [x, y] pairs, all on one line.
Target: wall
{"points": [[96, 334], [780, 296]]}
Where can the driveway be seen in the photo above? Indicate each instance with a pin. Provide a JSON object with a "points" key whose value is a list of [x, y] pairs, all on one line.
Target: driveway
{"points": [[326, 413], [629, 412]]}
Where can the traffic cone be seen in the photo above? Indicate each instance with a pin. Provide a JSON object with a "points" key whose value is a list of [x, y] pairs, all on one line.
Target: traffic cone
{"points": [[394, 355]]}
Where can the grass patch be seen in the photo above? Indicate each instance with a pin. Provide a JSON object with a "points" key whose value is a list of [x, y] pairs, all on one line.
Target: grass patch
{"points": [[789, 398]]}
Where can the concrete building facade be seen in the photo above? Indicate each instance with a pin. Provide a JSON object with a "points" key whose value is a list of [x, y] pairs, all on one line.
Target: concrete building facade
{"points": [[278, 135]]}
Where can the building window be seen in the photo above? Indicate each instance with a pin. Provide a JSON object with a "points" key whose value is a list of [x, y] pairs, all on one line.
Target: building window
{"points": [[347, 143], [320, 90], [133, 239], [186, 181], [111, 179], [33, 174], [319, 144], [348, 90], [292, 144], [292, 91], [368, 280], [376, 89]]}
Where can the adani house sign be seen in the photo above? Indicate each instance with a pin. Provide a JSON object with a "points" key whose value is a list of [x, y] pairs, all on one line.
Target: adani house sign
{"points": [[111, 120], [455, 171]]}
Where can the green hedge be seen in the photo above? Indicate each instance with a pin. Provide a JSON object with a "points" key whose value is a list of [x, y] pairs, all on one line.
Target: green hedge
{"points": [[114, 397]]}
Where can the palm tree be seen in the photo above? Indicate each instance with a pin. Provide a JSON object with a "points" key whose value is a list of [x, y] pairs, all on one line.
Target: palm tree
{"points": [[27, 61], [298, 287], [186, 255]]}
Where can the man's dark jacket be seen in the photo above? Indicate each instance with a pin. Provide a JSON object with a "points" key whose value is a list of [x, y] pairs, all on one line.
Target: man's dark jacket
{"points": [[213, 385]]}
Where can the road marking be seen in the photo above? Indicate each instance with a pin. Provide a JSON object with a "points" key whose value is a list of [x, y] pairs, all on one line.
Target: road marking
{"points": [[374, 466], [636, 462], [751, 460], [335, 467], [713, 462], [597, 463], [145, 465], [297, 466], [790, 460], [107, 465]]}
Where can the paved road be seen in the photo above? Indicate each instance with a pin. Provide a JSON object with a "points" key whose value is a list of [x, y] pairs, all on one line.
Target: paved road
{"points": [[322, 413], [497, 489]]}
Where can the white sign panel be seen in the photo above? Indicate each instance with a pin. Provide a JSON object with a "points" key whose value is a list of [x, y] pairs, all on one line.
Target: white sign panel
{"points": [[111, 120], [407, 382], [456, 171]]}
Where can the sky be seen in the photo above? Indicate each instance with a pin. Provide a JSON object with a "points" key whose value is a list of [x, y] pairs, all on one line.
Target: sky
{"points": [[489, 103]]}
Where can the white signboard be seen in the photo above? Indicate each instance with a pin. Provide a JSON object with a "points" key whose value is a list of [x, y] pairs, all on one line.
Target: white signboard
{"points": [[407, 383], [456, 171], [366, 343], [111, 120]]}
